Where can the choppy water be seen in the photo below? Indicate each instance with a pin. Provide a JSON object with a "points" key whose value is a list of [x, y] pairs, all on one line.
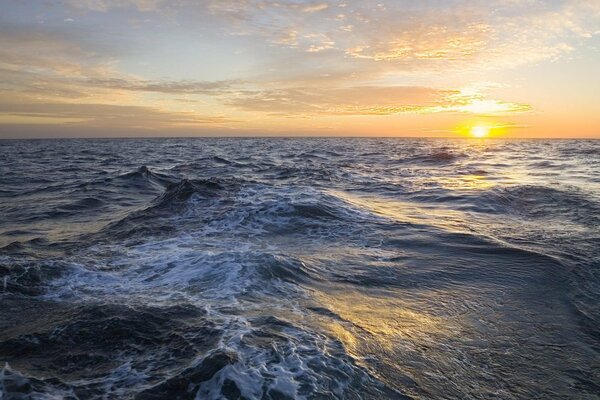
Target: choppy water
{"points": [[299, 268]]}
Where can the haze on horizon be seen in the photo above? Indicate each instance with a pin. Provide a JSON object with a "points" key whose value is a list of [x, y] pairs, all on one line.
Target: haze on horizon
{"points": [[89, 68]]}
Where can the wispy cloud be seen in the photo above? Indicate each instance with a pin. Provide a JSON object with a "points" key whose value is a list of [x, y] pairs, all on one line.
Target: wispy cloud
{"points": [[106, 115], [371, 100], [106, 5], [419, 35], [336, 101], [164, 86]]}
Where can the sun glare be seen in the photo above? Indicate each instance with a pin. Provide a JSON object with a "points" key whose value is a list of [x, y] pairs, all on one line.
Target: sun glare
{"points": [[480, 131]]}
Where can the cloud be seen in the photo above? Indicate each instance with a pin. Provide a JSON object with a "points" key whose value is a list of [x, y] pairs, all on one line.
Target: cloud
{"points": [[164, 86], [404, 35], [371, 100], [484, 107], [336, 101], [386, 37], [106, 115], [106, 5], [311, 8], [408, 36]]}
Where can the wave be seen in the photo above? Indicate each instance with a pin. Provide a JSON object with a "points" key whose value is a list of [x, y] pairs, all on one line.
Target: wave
{"points": [[144, 175], [29, 277], [221, 160], [184, 190], [300, 174], [187, 382], [14, 385], [88, 337], [547, 202], [209, 164], [267, 357], [435, 157], [87, 203], [218, 204], [518, 201], [84, 342], [71, 199], [156, 216]]}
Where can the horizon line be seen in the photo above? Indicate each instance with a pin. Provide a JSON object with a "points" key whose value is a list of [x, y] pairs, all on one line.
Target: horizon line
{"points": [[299, 137]]}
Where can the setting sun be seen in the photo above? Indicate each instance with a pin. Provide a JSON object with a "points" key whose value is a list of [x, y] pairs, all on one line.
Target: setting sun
{"points": [[480, 131]]}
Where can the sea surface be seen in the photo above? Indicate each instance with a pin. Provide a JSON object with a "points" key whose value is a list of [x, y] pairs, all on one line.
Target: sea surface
{"points": [[299, 268]]}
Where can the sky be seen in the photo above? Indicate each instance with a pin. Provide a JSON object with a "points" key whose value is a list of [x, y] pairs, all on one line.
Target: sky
{"points": [[505, 68]]}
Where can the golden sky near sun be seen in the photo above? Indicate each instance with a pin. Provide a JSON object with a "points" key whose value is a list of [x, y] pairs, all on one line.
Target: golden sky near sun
{"points": [[506, 68]]}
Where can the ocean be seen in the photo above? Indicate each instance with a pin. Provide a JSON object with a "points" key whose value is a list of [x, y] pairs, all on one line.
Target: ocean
{"points": [[261, 268]]}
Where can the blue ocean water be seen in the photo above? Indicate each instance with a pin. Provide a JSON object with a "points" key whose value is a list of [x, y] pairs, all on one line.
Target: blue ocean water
{"points": [[299, 268]]}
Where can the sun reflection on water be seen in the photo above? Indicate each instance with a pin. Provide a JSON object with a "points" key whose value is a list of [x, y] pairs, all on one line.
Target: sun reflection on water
{"points": [[386, 319]]}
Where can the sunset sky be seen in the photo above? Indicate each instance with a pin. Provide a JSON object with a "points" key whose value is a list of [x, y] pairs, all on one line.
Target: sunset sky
{"points": [[516, 68]]}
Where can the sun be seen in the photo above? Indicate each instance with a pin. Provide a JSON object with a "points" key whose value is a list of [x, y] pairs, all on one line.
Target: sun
{"points": [[480, 131]]}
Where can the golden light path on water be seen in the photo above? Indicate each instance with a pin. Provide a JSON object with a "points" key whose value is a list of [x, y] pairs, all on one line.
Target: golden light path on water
{"points": [[410, 323], [388, 323]]}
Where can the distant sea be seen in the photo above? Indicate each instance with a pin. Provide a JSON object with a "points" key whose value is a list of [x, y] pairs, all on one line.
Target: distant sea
{"points": [[299, 268]]}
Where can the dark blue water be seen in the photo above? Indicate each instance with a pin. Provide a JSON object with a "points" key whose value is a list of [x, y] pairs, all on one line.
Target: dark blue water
{"points": [[299, 268]]}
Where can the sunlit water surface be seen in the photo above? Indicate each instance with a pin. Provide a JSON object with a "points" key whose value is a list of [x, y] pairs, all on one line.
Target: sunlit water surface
{"points": [[299, 268]]}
